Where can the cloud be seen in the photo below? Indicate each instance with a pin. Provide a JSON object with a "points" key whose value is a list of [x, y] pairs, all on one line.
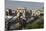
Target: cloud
{"points": [[29, 0], [17, 0]]}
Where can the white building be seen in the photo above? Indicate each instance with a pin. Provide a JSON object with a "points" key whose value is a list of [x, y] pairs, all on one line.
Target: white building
{"points": [[22, 11], [35, 13]]}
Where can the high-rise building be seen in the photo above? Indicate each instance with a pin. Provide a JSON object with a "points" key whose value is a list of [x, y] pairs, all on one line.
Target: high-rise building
{"points": [[10, 12]]}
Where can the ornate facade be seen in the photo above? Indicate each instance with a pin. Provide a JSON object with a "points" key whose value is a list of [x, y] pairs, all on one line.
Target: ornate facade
{"points": [[21, 11]]}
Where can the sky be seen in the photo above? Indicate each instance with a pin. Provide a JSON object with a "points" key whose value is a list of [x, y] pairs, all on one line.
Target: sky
{"points": [[32, 5]]}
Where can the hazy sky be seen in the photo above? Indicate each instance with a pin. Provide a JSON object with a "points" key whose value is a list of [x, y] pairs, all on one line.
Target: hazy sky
{"points": [[14, 4]]}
